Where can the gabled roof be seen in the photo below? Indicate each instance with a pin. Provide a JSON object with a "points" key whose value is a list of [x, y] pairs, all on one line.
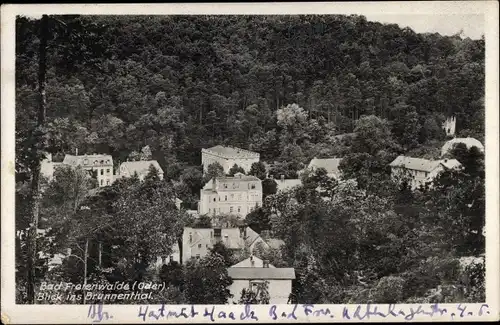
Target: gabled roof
{"points": [[414, 163], [450, 163], [233, 152], [469, 142], [240, 182], [257, 262], [330, 164], [261, 273], [424, 165], [140, 167], [88, 160]]}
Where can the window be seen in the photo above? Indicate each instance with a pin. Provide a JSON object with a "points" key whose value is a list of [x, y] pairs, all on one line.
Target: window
{"points": [[102, 162], [209, 210], [225, 185], [171, 258], [102, 171], [107, 161], [190, 237], [107, 170], [199, 245], [197, 256], [86, 162], [107, 182], [239, 209], [214, 199], [252, 186], [95, 162], [225, 197], [230, 209], [102, 182]]}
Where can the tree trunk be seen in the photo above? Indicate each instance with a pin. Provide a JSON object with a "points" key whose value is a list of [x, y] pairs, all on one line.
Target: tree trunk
{"points": [[40, 143], [85, 258], [100, 254]]}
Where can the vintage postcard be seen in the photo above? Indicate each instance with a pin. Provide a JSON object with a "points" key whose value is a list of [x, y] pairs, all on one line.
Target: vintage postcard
{"points": [[281, 162]]}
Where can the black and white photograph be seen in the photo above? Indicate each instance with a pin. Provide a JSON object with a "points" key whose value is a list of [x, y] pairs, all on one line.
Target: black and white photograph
{"points": [[269, 159]]}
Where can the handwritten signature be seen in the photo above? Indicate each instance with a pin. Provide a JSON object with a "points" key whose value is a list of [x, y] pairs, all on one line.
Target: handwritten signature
{"points": [[295, 312]]}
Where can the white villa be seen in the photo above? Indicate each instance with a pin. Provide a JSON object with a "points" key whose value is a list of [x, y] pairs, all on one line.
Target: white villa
{"points": [[237, 195], [420, 171], [102, 164]]}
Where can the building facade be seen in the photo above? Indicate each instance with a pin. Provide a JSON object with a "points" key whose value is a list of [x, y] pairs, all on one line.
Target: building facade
{"points": [[249, 274], [420, 171], [237, 195], [129, 168], [197, 242], [101, 164], [228, 157]]}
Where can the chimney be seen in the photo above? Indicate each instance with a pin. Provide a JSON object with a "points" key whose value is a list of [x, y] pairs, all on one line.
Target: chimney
{"points": [[265, 263], [252, 262], [214, 185], [76, 152], [271, 176], [282, 177]]}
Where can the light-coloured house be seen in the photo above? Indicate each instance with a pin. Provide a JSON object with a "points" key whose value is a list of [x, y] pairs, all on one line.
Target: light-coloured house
{"points": [[228, 157], [129, 168], [331, 165], [101, 164], [197, 242], [237, 195], [250, 273], [420, 171], [469, 142]]}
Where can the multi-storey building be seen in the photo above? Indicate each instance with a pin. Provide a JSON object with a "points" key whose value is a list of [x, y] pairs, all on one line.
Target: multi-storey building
{"points": [[238, 195], [420, 171], [228, 157], [197, 242], [100, 164], [129, 168]]}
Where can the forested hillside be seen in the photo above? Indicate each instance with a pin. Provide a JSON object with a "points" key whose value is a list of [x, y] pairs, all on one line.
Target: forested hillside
{"points": [[289, 88], [182, 83]]}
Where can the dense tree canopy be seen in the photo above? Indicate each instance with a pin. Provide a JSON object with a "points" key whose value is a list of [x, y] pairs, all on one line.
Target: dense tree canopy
{"points": [[290, 88]]}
